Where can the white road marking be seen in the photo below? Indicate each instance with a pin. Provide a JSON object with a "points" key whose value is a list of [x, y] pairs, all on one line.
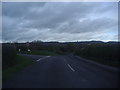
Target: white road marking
{"points": [[70, 67], [42, 58], [38, 60]]}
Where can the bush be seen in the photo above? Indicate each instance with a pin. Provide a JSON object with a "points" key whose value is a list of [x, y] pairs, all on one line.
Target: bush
{"points": [[8, 56]]}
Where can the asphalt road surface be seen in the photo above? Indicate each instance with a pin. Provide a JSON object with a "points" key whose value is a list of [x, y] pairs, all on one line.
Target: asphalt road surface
{"points": [[62, 72]]}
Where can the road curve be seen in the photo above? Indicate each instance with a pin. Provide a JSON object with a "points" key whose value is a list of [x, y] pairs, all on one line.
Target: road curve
{"points": [[62, 72]]}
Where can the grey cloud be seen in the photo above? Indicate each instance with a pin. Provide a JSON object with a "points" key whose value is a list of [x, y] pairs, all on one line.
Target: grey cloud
{"points": [[17, 9], [86, 25], [57, 21], [54, 14]]}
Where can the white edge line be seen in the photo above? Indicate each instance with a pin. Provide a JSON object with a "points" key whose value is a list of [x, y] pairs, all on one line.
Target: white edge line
{"points": [[70, 67], [42, 58], [38, 60]]}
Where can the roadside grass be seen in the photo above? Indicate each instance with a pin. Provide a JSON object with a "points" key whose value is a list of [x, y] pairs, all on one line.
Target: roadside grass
{"points": [[45, 53], [105, 62], [22, 62]]}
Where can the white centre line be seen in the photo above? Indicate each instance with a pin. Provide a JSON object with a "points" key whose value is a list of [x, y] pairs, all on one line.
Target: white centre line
{"points": [[70, 67]]}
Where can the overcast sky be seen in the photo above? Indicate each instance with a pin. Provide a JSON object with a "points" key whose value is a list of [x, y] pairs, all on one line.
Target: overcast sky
{"points": [[59, 21]]}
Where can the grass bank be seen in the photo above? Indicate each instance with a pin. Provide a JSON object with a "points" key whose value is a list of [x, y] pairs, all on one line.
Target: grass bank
{"points": [[22, 62], [101, 61]]}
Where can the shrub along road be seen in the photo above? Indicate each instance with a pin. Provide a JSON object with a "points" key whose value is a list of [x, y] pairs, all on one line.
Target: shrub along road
{"points": [[62, 72]]}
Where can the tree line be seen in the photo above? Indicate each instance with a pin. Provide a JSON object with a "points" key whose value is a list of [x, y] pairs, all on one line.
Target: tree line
{"points": [[106, 52]]}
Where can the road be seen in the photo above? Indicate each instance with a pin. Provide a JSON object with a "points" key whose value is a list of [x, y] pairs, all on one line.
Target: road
{"points": [[62, 72]]}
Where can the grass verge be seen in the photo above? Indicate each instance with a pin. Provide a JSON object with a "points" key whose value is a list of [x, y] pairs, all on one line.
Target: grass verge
{"points": [[22, 62]]}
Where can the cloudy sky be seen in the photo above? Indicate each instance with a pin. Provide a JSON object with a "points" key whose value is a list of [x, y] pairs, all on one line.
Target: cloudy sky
{"points": [[59, 21]]}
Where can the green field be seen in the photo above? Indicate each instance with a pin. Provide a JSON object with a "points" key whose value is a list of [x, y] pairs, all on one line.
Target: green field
{"points": [[45, 53]]}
